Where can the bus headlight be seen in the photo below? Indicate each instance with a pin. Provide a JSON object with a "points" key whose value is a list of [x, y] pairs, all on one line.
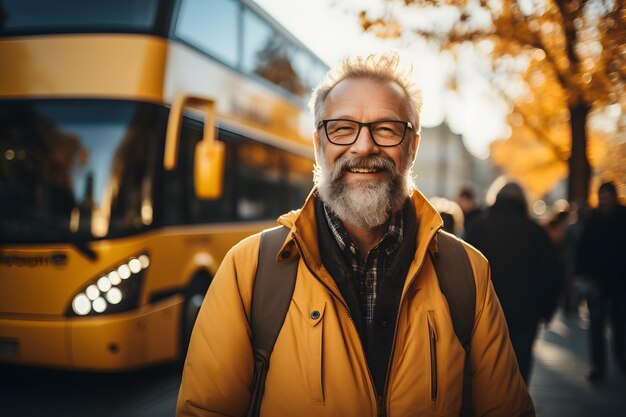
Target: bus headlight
{"points": [[114, 296], [114, 291], [81, 305]]}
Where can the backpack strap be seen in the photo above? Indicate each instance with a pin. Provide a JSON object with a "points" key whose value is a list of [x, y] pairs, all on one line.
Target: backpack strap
{"points": [[456, 280], [271, 296]]}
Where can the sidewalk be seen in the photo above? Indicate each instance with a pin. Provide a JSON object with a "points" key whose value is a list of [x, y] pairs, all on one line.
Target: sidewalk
{"points": [[558, 385]]}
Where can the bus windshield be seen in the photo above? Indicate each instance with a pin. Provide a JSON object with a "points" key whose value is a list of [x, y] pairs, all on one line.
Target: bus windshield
{"points": [[22, 17], [77, 169]]}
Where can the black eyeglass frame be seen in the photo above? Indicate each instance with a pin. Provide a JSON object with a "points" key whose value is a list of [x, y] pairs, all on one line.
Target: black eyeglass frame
{"points": [[324, 123]]}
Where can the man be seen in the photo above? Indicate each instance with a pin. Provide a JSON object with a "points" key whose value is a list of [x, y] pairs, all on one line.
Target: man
{"points": [[368, 331], [601, 257], [469, 204]]}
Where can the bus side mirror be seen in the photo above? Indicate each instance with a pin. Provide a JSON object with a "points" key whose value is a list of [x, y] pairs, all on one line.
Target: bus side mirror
{"points": [[208, 170]]}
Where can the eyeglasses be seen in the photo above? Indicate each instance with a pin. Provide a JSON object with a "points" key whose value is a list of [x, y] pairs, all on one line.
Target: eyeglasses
{"points": [[385, 133]]}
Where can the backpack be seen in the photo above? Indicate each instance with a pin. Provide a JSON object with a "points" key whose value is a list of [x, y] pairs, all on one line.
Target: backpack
{"points": [[274, 284]]}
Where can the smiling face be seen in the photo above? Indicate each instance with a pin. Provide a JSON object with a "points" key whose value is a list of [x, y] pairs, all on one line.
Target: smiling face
{"points": [[366, 100], [364, 183]]}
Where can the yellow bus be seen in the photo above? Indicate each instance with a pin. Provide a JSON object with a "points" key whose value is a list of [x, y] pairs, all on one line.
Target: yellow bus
{"points": [[139, 140]]}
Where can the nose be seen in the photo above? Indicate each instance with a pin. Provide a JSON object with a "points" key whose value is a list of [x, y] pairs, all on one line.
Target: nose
{"points": [[364, 144]]}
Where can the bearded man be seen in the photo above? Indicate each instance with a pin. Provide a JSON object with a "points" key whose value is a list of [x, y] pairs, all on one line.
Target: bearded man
{"points": [[368, 331]]}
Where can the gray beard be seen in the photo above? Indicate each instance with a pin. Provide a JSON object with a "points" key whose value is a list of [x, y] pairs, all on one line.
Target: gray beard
{"points": [[362, 203]]}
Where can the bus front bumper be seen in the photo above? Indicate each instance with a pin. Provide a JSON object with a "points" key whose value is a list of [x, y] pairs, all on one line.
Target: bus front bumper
{"points": [[117, 342]]}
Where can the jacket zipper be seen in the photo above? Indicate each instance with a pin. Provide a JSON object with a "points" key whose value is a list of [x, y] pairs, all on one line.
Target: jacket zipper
{"points": [[379, 399], [381, 406], [395, 335], [433, 360]]}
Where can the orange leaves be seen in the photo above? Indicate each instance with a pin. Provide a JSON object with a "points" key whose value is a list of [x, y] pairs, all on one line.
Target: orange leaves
{"points": [[529, 162], [384, 29]]}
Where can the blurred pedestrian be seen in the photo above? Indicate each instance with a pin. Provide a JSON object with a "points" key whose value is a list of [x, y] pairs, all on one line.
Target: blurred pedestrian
{"points": [[601, 256], [524, 268], [470, 206], [572, 296], [557, 228], [451, 214]]}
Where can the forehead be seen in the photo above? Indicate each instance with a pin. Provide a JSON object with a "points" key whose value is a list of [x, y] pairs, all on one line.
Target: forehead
{"points": [[362, 97]]}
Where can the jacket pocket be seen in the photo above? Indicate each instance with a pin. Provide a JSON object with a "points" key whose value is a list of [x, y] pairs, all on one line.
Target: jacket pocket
{"points": [[314, 371], [432, 337]]}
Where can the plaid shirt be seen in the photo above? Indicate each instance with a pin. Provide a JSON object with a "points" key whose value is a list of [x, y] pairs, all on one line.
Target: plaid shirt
{"points": [[366, 271]]}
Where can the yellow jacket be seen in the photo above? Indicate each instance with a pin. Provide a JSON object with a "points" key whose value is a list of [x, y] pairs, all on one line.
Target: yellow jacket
{"points": [[318, 367]]}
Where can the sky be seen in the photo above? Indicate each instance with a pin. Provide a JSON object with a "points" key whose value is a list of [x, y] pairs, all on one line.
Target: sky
{"points": [[331, 30]]}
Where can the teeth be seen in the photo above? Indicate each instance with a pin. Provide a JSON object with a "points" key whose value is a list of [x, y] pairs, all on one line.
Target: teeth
{"points": [[362, 170]]}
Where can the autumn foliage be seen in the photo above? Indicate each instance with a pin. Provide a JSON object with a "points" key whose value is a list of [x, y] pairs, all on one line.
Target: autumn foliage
{"points": [[561, 64]]}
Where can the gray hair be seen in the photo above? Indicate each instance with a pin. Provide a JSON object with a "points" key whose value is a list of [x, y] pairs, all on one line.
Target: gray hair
{"points": [[379, 67]]}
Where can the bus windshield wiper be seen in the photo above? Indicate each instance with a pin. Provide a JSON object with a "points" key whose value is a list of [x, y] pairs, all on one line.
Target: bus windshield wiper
{"points": [[84, 248], [79, 243]]}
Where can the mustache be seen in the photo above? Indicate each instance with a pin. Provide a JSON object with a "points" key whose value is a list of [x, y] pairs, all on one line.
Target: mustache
{"points": [[347, 162]]}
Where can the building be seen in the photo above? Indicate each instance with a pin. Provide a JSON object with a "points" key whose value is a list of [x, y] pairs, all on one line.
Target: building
{"points": [[444, 164]]}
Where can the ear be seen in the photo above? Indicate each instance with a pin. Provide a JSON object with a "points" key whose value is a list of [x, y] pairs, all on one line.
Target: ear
{"points": [[316, 145], [416, 144]]}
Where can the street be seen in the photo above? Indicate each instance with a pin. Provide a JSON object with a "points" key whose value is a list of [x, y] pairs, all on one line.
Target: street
{"points": [[558, 385], [30, 392]]}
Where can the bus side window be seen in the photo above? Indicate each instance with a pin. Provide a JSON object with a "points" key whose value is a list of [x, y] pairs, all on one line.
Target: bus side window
{"points": [[194, 210], [258, 179], [270, 181], [298, 180]]}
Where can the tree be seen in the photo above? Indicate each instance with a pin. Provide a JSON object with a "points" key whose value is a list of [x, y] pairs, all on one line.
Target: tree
{"points": [[571, 53]]}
